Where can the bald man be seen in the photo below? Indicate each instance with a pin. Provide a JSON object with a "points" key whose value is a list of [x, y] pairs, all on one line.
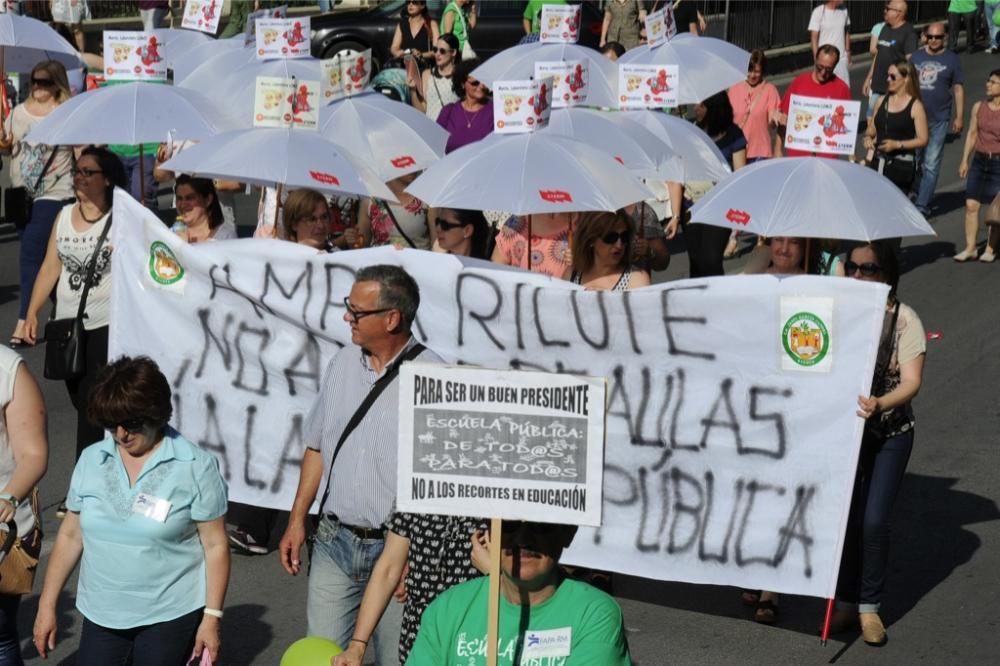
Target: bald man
{"points": [[897, 41]]}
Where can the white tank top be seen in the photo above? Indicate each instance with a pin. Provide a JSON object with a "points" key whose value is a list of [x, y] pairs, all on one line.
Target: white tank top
{"points": [[9, 362], [74, 250]]}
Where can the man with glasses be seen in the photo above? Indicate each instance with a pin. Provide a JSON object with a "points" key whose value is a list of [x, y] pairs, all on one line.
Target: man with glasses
{"points": [[897, 41], [821, 82], [940, 80], [351, 437]]}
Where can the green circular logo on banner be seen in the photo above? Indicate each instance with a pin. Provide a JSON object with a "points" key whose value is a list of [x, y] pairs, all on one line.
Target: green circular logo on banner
{"points": [[805, 338], [164, 266]]}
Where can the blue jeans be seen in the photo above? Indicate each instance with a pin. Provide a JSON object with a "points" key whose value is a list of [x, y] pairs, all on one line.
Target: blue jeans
{"points": [[931, 160], [10, 649], [340, 566], [34, 242], [866, 544], [133, 175], [162, 644], [325, 6], [991, 8]]}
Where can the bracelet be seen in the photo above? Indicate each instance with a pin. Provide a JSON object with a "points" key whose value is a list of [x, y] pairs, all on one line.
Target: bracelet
{"points": [[358, 640], [11, 499], [214, 612]]}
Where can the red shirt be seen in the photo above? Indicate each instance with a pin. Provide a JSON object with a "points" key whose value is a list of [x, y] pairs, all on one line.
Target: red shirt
{"points": [[805, 86]]}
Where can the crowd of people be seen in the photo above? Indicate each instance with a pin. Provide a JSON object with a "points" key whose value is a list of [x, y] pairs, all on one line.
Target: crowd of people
{"points": [[130, 462]]}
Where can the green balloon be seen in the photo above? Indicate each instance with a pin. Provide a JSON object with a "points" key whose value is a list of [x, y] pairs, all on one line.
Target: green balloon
{"points": [[311, 651]]}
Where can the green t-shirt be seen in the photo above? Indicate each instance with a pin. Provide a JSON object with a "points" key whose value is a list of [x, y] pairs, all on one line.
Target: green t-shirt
{"points": [[533, 12], [458, 27], [961, 6], [577, 626]]}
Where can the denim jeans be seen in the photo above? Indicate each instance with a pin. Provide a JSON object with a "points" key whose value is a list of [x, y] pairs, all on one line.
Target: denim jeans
{"points": [[866, 544], [10, 649], [340, 566], [991, 9], [931, 160], [162, 644], [133, 175], [34, 242]]}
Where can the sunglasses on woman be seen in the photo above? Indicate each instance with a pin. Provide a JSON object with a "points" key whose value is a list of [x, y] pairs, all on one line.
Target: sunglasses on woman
{"points": [[867, 269], [131, 426], [443, 51], [44, 83], [613, 237], [444, 225]]}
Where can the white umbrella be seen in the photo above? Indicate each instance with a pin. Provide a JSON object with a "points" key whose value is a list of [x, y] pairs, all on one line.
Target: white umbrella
{"points": [[518, 63], [212, 73], [632, 145], [293, 158], [177, 41], [25, 42], [240, 87], [190, 59], [812, 198], [705, 65], [700, 158], [537, 172], [393, 138]]}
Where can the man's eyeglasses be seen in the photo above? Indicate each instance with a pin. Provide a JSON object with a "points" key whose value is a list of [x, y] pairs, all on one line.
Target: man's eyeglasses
{"points": [[358, 315], [890, 8], [613, 237], [868, 269], [823, 69], [938, 36], [86, 173], [131, 426]]}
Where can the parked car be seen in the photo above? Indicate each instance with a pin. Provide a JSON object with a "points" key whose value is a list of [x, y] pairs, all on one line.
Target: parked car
{"points": [[499, 27]]}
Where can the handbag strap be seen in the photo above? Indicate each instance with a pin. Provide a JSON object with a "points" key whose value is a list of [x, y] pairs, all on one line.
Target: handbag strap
{"points": [[45, 169], [373, 393], [91, 266], [387, 207], [887, 344]]}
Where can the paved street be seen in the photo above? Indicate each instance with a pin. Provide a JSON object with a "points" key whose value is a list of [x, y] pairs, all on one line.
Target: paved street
{"points": [[943, 599]]}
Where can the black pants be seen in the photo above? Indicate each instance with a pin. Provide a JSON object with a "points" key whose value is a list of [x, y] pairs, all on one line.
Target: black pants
{"points": [[955, 21], [96, 346], [162, 644], [10, 648], [705, 245], [257, 521]]}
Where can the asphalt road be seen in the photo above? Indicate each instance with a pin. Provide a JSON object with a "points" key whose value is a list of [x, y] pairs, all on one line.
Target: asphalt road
{"points": [[943, 599]]}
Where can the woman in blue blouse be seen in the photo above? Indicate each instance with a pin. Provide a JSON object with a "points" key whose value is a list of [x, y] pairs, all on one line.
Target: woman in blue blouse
{"points": [[146, 516]]}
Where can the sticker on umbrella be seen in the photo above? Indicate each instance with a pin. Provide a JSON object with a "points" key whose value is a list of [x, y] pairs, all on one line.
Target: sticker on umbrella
{"points": [[822, 125], [560, 24], [133, 56], [250, 31], [569, 81], [202, 15], [660, 26], [806, 334], [521, 106], [345, 76], [647, 86], [283, 38], [282, 102]]}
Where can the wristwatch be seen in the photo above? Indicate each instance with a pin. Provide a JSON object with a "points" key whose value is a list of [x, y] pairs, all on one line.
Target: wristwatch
{"points": [[10, 498]]}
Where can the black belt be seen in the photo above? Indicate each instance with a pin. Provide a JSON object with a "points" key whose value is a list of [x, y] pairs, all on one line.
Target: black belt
{"points": [[360, 532], [988, 156]]}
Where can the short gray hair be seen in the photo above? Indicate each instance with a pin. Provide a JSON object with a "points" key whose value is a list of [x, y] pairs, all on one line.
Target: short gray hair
{"points": [[396, 289]]}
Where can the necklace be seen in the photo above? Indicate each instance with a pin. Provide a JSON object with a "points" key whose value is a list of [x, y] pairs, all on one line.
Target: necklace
{"points": [[470, 119], [100, 214]]}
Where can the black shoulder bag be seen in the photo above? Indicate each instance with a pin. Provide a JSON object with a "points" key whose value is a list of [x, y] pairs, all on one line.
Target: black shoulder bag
{"points": [[373, 393], [65, 348]]}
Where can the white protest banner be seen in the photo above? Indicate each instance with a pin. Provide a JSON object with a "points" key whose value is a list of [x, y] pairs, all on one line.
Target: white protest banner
{"points": [[282, 102], [560, 24], [250, 30], [283, 38], [202, 15], [647, 86], [133, 56], [504, 444], [569, 81], [721, 466], [822, 125], [656, 27], [525, 105], [345, 76]]}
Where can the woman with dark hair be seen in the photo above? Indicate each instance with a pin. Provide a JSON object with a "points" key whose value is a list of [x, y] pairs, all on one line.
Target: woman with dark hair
{"points": [[885, 447], [612, 51], [462, 232], [146, 516], [602, 254], [72, 243], [437, 90], [199, 215], [40, 178], [470, 118], [415, 32]]}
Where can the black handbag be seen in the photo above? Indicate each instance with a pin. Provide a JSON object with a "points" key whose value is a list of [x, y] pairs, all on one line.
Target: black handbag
{"points": [[65, 348]]}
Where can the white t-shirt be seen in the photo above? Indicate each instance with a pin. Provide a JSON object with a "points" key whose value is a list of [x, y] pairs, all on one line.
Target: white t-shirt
{"points": [[9, 362], [74, 250], [832, 28]]}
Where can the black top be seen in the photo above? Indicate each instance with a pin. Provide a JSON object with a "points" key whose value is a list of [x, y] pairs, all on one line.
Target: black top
{"points": [[894, 44], [685, 13], [895, 126], [419, 43]]}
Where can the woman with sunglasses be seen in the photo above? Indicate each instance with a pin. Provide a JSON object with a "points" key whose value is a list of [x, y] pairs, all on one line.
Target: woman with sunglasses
{"points": [[437, 89], [465, 233], [415, 32], [885, 447], [898, 128], [147, 511], [199, 215], [602, 260], [981, 166], [470, 118], [40, 178]]}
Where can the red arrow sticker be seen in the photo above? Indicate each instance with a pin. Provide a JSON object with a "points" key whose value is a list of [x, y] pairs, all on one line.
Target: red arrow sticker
{"points": [[738, 216], [402, 162]]}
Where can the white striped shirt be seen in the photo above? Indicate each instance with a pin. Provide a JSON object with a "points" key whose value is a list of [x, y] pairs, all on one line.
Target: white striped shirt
{"points": [[363, 483]]}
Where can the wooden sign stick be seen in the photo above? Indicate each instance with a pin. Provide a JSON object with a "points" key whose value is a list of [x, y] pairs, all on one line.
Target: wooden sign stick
{"points": [[493, 617]]}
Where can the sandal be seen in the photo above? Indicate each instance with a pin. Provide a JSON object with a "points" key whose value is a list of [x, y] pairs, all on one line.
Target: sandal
{"points": [[766, 613], [750, 597], [732, 249], [16, 342]]}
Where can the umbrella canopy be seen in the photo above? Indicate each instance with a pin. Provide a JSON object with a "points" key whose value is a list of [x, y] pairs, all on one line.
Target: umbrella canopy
{"points": [[705, 65], [700, 158], [293, 158], [27, 42], [190, 59], [394, 139], [212, 73], [240, 87], [178, 41], [635, 147], [812, 198], [518, 63], [537, 172], [131, 113]]}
